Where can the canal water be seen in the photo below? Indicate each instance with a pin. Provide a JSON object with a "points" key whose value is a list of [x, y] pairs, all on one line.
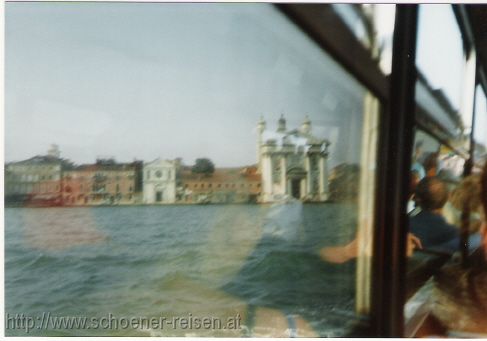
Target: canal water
{"points": [[259, 261]]}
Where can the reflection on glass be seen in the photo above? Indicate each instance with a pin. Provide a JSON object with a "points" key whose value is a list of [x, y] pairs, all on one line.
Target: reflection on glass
{"points": [[373, 25], [255, 154]]}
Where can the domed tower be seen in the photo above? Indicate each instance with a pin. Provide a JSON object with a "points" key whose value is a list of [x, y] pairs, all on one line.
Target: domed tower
{"points": [[306, 126], [281, 125], [260, 130]]}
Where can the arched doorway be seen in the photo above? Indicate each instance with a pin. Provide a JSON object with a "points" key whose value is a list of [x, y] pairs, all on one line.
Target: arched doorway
{"points": [[296, 188], [296, 182]]}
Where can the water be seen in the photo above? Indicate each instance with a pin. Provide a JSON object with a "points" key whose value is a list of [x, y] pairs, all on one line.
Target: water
{"points": [[256, 260]]}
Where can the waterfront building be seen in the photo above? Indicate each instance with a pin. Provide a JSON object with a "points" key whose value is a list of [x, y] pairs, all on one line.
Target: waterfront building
{"points": [[223, 186], [159, 181], [35, 181], [292, 162], [104, 183]]}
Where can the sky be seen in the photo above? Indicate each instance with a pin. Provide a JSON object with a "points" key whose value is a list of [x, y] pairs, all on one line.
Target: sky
{"points": [[143, 81], [147, 80]]}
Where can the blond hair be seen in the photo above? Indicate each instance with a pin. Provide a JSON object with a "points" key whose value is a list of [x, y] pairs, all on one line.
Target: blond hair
{"points": [[467, 192]]}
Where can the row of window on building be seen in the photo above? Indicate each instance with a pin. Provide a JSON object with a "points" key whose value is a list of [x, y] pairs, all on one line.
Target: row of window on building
{"points": [[50, 179]]}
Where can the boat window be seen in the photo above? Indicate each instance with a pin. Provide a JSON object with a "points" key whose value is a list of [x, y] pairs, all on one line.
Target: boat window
{"points": [[373, 25], [222, 87], [444, 98]]}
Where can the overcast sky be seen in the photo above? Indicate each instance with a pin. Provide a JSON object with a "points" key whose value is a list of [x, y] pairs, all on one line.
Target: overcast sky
{"points": [[165, 80], [151, 80]]}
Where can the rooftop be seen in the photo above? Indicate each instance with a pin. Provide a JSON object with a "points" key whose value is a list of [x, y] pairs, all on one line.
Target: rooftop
{"points": [[222, 175]]}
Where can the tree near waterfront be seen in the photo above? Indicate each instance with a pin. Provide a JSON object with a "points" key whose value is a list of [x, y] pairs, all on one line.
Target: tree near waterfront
{"points": [[203, 166]]}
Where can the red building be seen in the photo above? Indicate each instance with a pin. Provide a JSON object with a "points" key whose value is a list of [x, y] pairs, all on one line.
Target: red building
{"points": [[225, 185], [103, 183]]}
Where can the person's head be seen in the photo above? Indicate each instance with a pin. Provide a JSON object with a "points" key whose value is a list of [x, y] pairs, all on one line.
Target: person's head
{"points": [[431, 194]]}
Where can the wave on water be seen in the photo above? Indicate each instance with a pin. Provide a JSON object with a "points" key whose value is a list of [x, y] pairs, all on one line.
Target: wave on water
{"points": [[173, 260], [41, 260]]}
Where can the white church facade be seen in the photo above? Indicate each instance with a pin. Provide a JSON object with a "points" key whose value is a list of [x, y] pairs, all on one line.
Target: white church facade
{"points": [[292, 163], [159, 182]]}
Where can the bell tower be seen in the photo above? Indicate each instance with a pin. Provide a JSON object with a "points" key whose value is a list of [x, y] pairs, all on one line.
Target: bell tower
{"points": [[261, 125]]}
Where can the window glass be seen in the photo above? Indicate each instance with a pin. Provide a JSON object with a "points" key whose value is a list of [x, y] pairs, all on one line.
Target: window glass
{"points": [[373, 25], [225, 94], [439, 54], [445, 75]]}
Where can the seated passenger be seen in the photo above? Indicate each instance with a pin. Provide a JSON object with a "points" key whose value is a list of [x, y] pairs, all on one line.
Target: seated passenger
{"points": [[459, 295], [429, 225]]}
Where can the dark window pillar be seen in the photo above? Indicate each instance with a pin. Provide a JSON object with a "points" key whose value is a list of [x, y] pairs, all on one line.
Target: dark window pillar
{"points": [[395, 148]]}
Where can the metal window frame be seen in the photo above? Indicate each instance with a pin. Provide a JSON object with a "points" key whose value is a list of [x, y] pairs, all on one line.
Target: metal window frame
{"points": [[393, 170], [322, 24], [325, 27], [397, 124]]}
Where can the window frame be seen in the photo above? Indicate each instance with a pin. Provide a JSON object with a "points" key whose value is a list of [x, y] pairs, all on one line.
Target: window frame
{"points": [[322, 24], [396, 138]]}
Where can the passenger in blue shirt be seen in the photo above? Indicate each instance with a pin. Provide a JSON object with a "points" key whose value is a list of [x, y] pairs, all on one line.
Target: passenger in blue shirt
{"points": [[429, 225]]}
